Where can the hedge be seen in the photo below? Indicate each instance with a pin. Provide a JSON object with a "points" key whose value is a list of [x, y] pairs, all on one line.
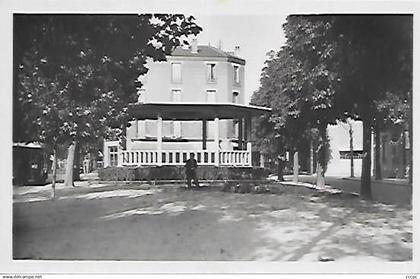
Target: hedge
{"points": [[178, 173]]}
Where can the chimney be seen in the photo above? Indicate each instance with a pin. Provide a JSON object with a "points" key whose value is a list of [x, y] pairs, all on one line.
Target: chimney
{"points": [[220, 44], [194, 47], [237, 51]]}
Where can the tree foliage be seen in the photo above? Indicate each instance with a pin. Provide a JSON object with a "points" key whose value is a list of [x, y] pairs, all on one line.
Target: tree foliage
{"points": [[75, 75], [357, 66]]}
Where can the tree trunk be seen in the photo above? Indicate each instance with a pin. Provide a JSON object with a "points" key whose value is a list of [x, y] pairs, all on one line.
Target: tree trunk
{"points": [[54, 173], [365, 186], [311, 158], [351, 151], [378, 168], [76, 165], [322, 159], [280, 168], [68, 180], [295, 167], [320, 179]]}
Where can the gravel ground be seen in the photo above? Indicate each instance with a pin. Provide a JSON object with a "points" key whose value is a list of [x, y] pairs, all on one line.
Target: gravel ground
{"points": [[169, 222]]}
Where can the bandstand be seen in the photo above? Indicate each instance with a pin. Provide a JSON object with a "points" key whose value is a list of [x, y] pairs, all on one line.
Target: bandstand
{"points": [[210, 153]]}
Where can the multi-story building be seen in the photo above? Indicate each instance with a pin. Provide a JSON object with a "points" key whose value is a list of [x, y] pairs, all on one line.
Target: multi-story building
{"points": [[209, 84], [200, 74]]}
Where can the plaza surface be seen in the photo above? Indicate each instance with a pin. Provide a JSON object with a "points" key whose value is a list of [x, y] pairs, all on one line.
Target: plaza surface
{"points": [[135, 221]]}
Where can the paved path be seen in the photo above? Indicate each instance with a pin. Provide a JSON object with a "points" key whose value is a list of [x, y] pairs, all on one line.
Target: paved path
{"points": [[168, 222], [383, 191]]}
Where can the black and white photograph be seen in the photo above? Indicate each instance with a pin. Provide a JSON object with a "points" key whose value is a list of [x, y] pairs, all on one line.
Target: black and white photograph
{"points": [[179, 136]]}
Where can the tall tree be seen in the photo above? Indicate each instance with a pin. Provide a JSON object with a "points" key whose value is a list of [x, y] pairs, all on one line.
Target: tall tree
{"points": [[308, 38], [74, 75], [282, 130], [377, 61], [345, 64]]}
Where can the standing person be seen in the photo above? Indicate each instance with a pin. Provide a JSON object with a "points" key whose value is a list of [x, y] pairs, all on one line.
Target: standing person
{"points": [[191, 170]]}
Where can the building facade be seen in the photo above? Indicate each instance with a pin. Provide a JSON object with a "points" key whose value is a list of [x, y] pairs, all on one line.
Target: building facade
{"points": [[199, 74]]}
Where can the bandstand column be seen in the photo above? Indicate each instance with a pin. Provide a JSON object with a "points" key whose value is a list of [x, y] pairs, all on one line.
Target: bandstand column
{"points": [[159, 140], [204, 126], [240, 134], [247, 139], [247, 132], [216, 141]]}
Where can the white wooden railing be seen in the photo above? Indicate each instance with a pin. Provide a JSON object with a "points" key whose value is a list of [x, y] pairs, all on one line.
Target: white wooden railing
{"points": [[178, 157]]}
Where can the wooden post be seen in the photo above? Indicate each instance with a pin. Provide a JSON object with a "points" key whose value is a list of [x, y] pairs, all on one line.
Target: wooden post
{"points": [[105, 155], [240, 133], [216, 141], [247, 133], [204, 130], [54, 173], [159, 140], [311, 158], [247, 139], [295, 167], [120, 156], [262, 160], [249, 149]]}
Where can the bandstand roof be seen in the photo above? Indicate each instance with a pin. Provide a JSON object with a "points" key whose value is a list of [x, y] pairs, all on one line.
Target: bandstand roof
{"points": [[194, 111]]}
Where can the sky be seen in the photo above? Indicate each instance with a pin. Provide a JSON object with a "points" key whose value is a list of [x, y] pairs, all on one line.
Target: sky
{"points": [[255, 34]]}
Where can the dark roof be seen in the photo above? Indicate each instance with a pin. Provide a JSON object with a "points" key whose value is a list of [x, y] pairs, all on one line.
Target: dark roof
{"points": [[194, 111], [207, 51]]}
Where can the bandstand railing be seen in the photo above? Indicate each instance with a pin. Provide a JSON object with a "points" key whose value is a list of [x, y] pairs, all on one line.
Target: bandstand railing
{"points": [[178, 157]]}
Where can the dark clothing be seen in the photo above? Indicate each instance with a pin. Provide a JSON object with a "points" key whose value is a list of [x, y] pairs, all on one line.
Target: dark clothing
{"points": [[190, 171]]}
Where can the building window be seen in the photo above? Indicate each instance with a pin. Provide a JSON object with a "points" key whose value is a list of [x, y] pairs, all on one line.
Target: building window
{"points": [[113, 156], [211, 74], [176, 73], [176, 95], [236, 74], [141, 93], [235, 96], [210, 96]]}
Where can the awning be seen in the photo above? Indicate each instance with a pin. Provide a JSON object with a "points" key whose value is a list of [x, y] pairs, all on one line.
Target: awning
{"points": [[194, 111]]}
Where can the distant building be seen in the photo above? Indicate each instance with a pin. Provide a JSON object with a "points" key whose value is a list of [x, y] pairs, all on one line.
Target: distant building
{"points": [[394, 150], [339, 135]]}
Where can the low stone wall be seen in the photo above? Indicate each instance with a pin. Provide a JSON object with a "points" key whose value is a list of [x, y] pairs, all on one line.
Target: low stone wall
{"points": [[178, 173]]}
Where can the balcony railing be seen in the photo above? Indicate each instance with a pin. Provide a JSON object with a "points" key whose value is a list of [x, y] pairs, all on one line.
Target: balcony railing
{"points": [[178, 157]]}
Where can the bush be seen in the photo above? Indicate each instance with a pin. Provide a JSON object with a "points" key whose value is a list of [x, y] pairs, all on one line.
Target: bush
{"points": [[117, 174], [178, 173]]}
